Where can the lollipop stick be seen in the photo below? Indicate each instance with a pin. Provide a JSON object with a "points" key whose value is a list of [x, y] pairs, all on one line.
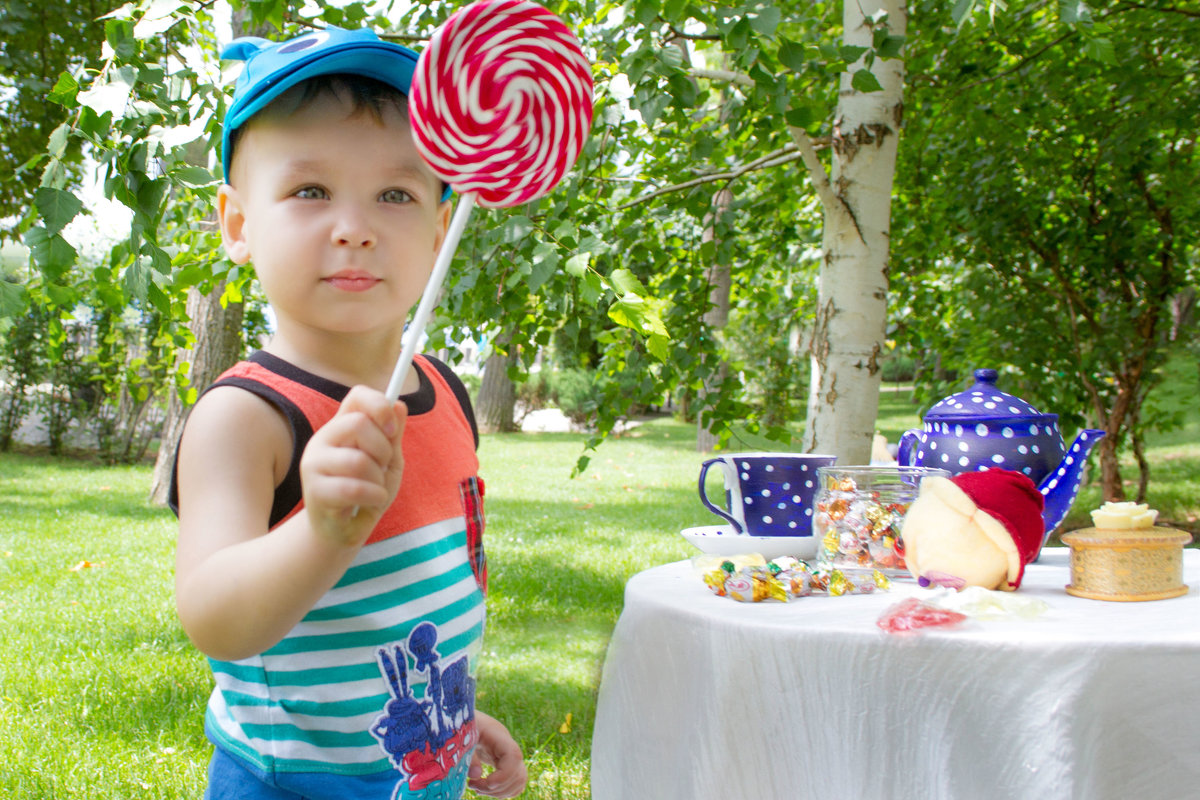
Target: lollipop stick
{"points": [[429, 299]]}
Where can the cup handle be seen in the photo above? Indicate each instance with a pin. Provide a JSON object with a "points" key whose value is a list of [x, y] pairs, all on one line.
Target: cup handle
{"points": [[720, 512]]}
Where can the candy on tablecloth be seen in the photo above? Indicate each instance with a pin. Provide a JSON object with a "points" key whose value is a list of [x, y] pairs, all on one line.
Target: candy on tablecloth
{"points": [[786, 578], [911, 614]]}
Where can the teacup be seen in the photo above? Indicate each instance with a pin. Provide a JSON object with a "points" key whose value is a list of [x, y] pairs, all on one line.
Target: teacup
{"points": [[767, 494]]}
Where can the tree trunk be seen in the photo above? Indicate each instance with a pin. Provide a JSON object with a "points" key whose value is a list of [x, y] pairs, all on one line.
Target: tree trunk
{"points": [[720, 282], [496, 405], [851, 314], [216, 329], [218, 336]]}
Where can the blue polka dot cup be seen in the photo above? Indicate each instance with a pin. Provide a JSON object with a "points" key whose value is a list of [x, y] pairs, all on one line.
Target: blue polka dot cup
{"points": [[766, 494]]}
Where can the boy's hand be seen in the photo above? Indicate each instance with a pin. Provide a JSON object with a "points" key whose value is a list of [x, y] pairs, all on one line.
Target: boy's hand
{"points": [[351, 468], [498, 749]]}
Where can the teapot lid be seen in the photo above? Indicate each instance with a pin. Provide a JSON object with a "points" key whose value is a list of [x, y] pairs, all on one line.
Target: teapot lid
{"points": [[984, 401]]}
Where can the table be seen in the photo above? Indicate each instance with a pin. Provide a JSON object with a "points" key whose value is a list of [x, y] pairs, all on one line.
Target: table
{"points": [[705, 697]]}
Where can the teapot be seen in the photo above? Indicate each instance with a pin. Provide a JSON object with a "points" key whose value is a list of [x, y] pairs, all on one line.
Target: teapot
{"points": [[984, 427]]}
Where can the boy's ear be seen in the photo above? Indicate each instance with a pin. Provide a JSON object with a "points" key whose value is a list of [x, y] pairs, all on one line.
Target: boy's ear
{"points": [[233, 224], [443, 223]]}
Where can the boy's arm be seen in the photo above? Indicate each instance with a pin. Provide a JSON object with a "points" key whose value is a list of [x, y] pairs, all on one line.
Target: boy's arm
{"points": [[239, 588], [499, 750]]}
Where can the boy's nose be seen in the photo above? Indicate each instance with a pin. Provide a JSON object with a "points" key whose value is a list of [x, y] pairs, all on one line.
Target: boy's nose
{"points": [[353, 230]]}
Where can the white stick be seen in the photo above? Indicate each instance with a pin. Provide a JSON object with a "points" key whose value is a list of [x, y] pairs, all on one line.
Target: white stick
{"points": [[429, 299]]}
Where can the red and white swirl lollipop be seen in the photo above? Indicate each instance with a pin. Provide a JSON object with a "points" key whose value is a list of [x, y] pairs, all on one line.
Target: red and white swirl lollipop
{"points": [[501, 103]]}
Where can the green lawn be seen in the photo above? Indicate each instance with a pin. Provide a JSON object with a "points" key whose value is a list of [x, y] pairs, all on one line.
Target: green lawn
{"points": [[101, 695]]}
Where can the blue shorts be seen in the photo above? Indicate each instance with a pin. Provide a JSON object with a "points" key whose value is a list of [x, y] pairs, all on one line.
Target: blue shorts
{"points": [[230, 779]]}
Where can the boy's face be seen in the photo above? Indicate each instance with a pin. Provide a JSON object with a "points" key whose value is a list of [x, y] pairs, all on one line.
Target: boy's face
{"points": [[339, 214]]}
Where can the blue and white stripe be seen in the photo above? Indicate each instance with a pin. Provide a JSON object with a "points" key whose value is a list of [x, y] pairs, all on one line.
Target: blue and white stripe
{"points": [[284, 718]]}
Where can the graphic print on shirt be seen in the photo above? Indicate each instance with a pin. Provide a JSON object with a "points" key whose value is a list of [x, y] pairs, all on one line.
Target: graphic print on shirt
{"points": [[429, 740]]}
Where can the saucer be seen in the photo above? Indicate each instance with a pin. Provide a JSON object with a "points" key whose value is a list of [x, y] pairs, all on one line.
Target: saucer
{"points": [[722, 540]]}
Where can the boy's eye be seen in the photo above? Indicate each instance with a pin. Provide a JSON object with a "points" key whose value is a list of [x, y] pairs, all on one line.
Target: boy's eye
{"points": [[395, 196], [311, 193]]}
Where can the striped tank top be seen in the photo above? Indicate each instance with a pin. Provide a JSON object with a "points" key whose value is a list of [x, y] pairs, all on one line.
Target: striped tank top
{"points": [[377, 683]]}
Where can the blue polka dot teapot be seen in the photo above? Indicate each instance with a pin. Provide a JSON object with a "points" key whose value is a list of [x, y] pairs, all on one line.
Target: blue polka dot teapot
{"points": [[984, 427]]}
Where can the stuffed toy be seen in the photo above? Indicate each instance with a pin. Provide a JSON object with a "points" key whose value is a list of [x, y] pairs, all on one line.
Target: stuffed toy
{"points": [[975, 529]]}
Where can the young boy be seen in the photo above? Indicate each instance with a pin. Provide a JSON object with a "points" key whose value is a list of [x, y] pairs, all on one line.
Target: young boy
{"points": [[330, 559]]}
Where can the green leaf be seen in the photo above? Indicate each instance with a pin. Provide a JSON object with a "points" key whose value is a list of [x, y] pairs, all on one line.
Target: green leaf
{"points": [[791, 55], [1100, 49], [57, 208], [59, 139], [864, 81], [659, 346], [194, 176], [801, 116], [592, 288], [543, 269], [851, 53], [891, 46], [64, 90], [652, 105], [628, 313], [626, 283], [517, 228], [54, 255], [13, 299], [577, 264], [766, 20], [136, 280], [961, 11]]}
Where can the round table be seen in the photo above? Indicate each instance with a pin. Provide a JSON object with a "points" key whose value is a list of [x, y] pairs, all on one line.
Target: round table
{"points": [[706, 697]]}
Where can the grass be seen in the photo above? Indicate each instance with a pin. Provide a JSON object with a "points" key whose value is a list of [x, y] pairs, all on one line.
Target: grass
{"points": [[101, 695]]}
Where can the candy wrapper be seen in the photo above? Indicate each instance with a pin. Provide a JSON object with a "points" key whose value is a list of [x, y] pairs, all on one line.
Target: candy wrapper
{"points": [[785, 579], [912, 614]]}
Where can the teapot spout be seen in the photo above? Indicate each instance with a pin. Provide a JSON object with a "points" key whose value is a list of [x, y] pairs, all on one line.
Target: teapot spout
{"points": [[1060, 487]]}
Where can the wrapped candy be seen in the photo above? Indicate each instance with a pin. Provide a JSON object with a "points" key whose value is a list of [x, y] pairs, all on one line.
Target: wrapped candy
{"points": [[785, 579], [860, 529]]}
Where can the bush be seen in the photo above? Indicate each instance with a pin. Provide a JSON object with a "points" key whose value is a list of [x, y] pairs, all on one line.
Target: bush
{"points": [[572, 392]]}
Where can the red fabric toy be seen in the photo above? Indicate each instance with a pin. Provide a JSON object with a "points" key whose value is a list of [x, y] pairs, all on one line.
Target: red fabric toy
{"points": [[975, 529]]}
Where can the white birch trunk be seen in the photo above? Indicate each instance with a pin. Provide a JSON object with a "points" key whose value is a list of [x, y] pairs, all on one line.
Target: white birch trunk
{"points": [[852, 288]]}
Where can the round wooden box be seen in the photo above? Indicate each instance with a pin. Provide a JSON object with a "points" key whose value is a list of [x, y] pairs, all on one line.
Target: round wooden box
{"points": [[1125, 565]]}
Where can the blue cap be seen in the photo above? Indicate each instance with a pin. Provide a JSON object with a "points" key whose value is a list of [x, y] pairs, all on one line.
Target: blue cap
{"points": [[274, 67]]}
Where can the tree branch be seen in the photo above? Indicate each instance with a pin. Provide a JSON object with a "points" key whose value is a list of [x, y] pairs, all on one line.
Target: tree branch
{"points": [[816, 170], [784, 155], [728, 76]]}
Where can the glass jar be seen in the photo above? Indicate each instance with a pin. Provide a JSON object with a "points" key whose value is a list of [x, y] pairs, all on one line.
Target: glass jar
{"points": [[860, 516]]}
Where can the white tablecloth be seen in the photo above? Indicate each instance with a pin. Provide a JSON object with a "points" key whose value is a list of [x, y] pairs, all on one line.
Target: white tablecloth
{"points": [[705, 697]]}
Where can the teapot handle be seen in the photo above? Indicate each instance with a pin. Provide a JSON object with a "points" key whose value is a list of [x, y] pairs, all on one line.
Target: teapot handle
{"points": [[906, 453]]}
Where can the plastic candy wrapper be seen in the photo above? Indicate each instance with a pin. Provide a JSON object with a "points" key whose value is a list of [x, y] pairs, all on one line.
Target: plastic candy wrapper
{"points": [[784, 579], [912, 614], [860, 529], [980, 603]]}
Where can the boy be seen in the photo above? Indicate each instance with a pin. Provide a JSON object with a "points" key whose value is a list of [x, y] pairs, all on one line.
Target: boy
{"points": [[330, 560]]}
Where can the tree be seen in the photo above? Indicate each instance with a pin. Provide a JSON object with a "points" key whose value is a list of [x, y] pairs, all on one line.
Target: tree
{"points": [[38, 40], [778, 103], [1048, 198]]}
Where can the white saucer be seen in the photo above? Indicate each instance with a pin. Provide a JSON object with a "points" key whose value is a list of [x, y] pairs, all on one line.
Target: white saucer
{"points": [[722, 540]]}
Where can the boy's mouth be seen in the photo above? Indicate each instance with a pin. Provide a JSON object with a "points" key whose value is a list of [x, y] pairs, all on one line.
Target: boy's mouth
{"points": [[352, 280]]}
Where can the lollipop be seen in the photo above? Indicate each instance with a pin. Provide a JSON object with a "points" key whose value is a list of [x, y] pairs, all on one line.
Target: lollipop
{"points": [[501, 104]]}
